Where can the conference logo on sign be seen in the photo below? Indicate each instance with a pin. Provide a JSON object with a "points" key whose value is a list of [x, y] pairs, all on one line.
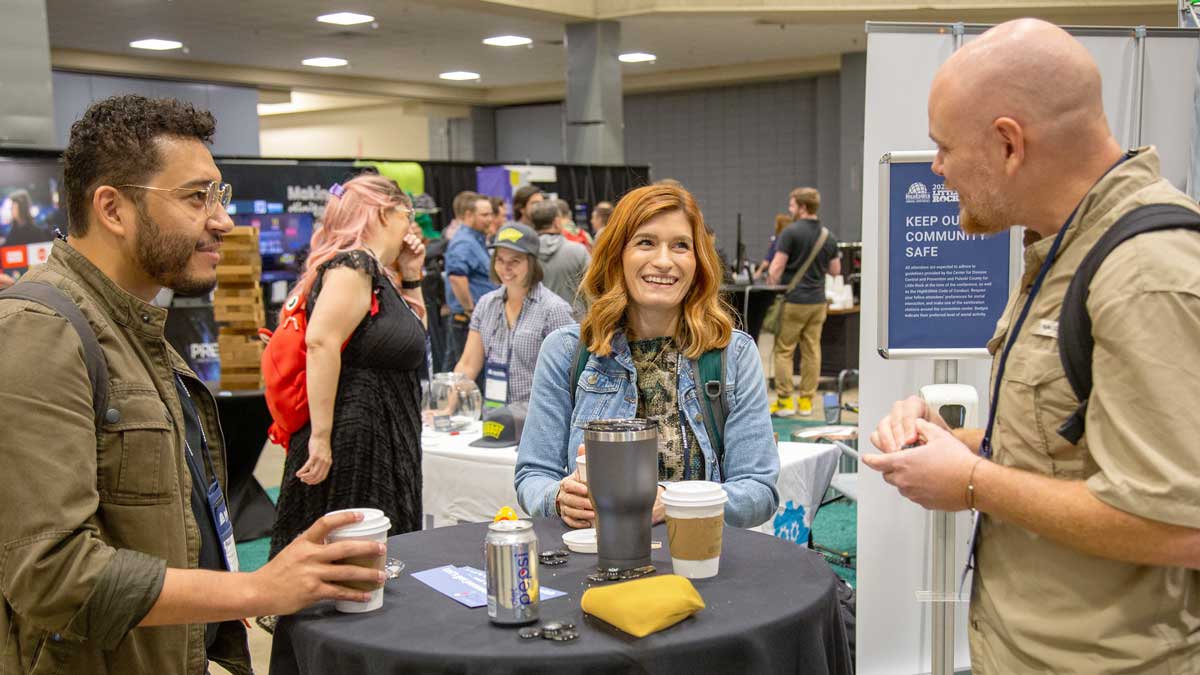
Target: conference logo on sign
{"points": [[943, 194], [917, 194]]}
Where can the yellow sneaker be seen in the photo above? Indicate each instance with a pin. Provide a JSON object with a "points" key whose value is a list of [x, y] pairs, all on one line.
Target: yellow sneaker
{"points": [[784, 407], [805, 405]]}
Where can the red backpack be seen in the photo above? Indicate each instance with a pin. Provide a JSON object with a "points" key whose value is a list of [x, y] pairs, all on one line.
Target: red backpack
{"points": [[284, 362]]}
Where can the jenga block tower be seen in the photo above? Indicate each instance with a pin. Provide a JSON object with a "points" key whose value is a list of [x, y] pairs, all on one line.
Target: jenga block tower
{"points": [[238, 309]]}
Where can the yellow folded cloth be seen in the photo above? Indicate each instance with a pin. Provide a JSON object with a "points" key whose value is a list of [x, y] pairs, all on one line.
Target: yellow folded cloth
{"points": [[644, 606]]}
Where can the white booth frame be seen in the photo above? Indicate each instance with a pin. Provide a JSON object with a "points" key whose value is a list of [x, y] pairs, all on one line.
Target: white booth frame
{"points": [[1149, 80]]}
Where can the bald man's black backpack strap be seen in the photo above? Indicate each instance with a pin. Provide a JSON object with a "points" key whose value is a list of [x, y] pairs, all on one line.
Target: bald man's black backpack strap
{"points": [[1075, 341], [97, 366]]}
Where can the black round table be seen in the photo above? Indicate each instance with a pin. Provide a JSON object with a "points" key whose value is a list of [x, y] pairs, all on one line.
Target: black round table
{"points": [[772, 609]]}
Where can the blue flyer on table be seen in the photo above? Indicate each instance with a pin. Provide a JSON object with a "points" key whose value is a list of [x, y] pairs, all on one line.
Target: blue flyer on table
{"points": [[448, 581], [466, 585], [481, 577]]}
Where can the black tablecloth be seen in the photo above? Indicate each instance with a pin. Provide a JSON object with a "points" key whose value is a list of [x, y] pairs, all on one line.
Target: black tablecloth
{"points": [[244, 422], [772, 609]]}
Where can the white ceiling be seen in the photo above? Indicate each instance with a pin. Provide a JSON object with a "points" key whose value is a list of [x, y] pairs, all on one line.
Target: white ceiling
{"points": [[417, 39]]}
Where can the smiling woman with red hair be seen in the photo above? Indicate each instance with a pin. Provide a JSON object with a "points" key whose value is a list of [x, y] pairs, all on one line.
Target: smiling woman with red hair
{"points": [[655, 310]]}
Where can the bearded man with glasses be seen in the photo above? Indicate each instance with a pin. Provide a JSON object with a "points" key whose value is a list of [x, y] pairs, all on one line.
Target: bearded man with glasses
{"points": [[118, 553]]}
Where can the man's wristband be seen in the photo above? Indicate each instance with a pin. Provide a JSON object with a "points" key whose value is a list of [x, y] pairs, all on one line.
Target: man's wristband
{"points": [[410, 283]]}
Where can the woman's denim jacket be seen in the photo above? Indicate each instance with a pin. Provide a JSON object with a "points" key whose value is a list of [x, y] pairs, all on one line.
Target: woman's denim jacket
{"points": [[608, 389]]}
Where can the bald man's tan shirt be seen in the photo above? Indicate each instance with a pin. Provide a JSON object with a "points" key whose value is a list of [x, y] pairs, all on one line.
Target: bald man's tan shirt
{"points": [[1039, 606]]}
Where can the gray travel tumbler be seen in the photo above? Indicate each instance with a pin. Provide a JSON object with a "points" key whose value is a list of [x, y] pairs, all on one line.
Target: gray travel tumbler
{"points": [[622, 461]]}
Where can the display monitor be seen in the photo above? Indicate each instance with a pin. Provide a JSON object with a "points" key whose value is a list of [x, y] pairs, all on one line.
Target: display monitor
{"points": [[31, 210], [282, 240]]}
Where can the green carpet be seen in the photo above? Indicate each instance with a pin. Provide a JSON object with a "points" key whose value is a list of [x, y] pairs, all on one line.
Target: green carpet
{"points": [[784, 426], [253, 554], [836, 528]]}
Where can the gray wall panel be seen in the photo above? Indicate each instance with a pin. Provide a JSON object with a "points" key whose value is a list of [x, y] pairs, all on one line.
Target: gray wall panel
{"points": [[852, 87], [235, 108], [739, 149], [72, 95], [530, 133]]}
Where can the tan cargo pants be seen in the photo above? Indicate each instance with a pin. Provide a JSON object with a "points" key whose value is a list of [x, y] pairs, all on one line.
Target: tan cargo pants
{"points": [[800, 324]]}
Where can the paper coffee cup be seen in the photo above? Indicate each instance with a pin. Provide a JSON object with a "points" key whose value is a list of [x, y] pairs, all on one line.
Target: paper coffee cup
{"points": [[695, 523], [373, 527], [581, 466]]}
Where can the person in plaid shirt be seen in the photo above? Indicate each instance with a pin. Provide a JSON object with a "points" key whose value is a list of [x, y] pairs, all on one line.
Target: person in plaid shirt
{"points": [[509, 323]]}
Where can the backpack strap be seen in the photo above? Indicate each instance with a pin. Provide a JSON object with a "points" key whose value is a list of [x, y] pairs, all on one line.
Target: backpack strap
{"points": [[709, 374], [1075, 340], [54, 298], [581, 358]]}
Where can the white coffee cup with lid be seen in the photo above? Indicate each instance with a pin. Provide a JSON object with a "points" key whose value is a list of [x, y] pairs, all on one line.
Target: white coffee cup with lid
{"points": [[695, 523], [373, 527]]}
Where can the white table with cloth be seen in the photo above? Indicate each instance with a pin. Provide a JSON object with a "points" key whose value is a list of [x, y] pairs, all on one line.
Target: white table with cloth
{"points": [[464, 484]]}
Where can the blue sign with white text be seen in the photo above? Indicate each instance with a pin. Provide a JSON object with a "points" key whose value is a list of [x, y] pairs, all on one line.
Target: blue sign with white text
{"points": [[946, 288]]}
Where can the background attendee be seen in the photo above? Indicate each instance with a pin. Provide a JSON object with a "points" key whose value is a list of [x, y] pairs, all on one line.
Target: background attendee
{"points": [[563, 261], [23, 229], [488, 217], [467, 277], [499, 210], [571, 231], [655, 310], [524, 199], [782, 220], [599, 219], [461, 206], [362, 446], [804, 307], [1088, 553], [112, 561], [511, 322]]}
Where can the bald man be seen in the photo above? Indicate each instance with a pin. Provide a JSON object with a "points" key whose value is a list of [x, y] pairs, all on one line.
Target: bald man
{"points": [[1088, 557]]}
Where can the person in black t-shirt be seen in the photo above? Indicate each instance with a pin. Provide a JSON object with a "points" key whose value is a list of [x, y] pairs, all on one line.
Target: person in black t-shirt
{"points": [[804, 306]]}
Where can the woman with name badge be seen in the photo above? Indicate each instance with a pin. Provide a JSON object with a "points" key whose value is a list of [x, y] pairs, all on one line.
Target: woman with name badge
{"points": [[657, 344], [509, 323], [367, 350]]}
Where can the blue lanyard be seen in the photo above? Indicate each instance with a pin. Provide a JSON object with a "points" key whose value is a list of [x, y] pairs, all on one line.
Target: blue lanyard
{"points": [[985, 447], [208, 465]]}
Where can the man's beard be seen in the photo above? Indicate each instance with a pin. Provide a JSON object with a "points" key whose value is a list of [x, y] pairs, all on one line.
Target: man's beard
{"points": [[986, 213], [165, 257], [980, 222]]}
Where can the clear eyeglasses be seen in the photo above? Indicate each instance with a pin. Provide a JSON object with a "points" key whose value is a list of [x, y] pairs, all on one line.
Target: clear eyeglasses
{"points": [[215, 193]]}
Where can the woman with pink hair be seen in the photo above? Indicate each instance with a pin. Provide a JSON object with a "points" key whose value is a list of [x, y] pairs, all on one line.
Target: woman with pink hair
{"points": [[366, 345]]}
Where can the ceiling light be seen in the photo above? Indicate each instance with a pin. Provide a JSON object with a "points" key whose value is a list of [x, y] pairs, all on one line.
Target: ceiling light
{"points": [[345, 18], [325, 62], [459, 75], [636, 57], [156, 44], [507, 41]]}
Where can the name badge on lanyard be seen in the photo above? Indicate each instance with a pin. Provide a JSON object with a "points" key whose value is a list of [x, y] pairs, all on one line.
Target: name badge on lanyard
{"points": [[495, 385], [220, 515], [217, 508], [495, 374]]}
